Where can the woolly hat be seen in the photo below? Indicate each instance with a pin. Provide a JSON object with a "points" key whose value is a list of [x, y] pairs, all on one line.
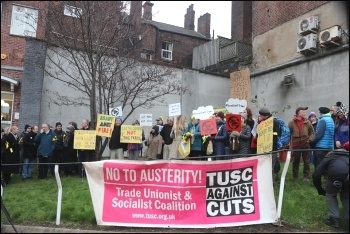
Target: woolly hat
{"points": [[264, 111], [58, 123], [324, 110], [346, 146], [70, 128], [120, 118], [299, 109], [312, 114], [341, 109], [26, 126], [221, 115]]}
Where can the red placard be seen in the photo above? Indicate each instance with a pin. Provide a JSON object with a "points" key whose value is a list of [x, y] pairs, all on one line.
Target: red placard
{"points": [[233, 122], [208, 127]]}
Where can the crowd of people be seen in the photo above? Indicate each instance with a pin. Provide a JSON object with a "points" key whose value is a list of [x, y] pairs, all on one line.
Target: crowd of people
{"points": [[313, 140]]}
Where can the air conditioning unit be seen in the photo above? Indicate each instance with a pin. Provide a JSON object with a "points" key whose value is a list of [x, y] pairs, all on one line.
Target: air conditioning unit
{"points": [[308, 25], [330, 36], [307, 43]]}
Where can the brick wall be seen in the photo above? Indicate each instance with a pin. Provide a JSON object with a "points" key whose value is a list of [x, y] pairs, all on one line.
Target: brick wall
{"points": [[270, 14], [204, 25], [241, 21]]}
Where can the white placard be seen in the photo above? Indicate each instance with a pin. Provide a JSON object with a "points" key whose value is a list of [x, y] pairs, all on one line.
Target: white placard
{"points": [[146, 120], [203, 112], [174, 109], [16, 115], [116, 111], [235, 106]]}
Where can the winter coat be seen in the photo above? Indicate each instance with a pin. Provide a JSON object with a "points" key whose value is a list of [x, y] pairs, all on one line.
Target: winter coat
{"points": [[114, 141], [154, 143], [11, 147], [244, 140], [342, 133], [69, 153], [220, 139], [306, 135], [165, 133], [197, 141], [60, 135], [324, 137], [174, 148], [29, 146], [47, 143]]}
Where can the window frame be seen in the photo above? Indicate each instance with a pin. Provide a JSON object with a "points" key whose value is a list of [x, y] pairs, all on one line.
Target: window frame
{"points": [[8, 122], [170, 51], [71, 14], [28, 29]]}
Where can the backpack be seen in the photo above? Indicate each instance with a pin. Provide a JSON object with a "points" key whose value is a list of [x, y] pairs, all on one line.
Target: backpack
{"points": [[284, 137]]}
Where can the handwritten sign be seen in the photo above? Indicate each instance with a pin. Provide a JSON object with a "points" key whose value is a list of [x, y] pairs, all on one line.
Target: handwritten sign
{"points": [[131, 134], [265, 136], [208, 126], [146, 120], [85, 139], [203, 112], [240, 84], [175, 109], [116, 111], [235, 106], [105, 125], [233, 122]]}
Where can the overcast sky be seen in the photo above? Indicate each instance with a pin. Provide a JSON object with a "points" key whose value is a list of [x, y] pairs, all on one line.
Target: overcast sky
{"points": [[173, 12]]}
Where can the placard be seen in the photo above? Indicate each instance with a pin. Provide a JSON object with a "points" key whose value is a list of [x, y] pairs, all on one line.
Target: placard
{"points": [[203, 112], [208, 126], [84, 139], [235, 106], [146, 120], [175, 109], [116, 111], [131, 134], [233, 122], [240, 84], [265, 136], [105, 125]]}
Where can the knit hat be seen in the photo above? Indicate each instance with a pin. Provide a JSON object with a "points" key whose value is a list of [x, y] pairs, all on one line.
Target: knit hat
{"points": [[341, 109], [312, 114], [324, 110], [299, 109], [26, 126], [264, 111], [120, 118], [221, 115], [346, 146], [58, 123], [70, 128]]}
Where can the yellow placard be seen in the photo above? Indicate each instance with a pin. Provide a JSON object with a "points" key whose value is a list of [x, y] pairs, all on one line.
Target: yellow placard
{"points": [[131, 134], [85, 139], [265, 136], [105, 125]]}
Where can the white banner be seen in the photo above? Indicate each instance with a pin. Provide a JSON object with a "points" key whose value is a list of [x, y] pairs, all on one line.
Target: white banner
{"points": [[186, 194], [175, 109], [146, 120], [203, 113], [116, 111], [235, 106]]}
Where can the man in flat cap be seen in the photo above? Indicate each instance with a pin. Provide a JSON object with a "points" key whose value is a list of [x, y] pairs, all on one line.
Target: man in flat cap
{"points": [[324, 137]]}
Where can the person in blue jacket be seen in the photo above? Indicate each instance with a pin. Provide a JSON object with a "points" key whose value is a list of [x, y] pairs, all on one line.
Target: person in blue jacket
{"points": [[196, 138]]}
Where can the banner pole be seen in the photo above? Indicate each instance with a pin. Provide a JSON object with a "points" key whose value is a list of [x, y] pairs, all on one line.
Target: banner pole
{"points": [[283, 178], [59, 197]]}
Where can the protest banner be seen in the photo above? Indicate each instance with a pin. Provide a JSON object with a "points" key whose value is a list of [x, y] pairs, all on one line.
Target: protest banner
{"points": [[146, 120], [265, 136], [116, 111], [235, 106], [233, 123], [105, 125], [175, 109], [84, 139], [240, 84], [203, 112], [131, 134], [186, 194], [208, 127]]}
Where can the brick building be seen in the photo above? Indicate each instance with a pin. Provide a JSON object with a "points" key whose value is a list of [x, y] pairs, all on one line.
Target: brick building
{"points": [[24, 44]]}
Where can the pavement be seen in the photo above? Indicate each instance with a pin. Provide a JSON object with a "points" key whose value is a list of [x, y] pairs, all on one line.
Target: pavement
{"points": [[34, 229]]}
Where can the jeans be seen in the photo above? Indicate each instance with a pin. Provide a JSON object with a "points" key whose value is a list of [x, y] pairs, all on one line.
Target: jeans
{"points": [[134, 154], [27, 169], [43, 167]]}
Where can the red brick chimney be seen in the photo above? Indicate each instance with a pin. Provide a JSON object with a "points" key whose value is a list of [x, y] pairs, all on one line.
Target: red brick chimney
{"points": [[189, 18], [204, 25], [147, 10], [136, 12]]}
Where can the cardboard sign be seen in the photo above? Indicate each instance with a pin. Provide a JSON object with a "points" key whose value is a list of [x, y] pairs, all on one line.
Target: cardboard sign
{"points": [[131, 134], [175, 109], [265, 136], [208, 126], [240, 84], [105, 125], [233, 122], [146, 120], [85, 139]]}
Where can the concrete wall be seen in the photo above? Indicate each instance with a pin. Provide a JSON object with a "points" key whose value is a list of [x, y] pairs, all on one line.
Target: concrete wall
{"points": [[319, 82], [279, 44]]}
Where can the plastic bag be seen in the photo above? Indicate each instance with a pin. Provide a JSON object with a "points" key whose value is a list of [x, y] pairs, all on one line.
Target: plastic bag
{"points": [[210, 148], [185, 148]]}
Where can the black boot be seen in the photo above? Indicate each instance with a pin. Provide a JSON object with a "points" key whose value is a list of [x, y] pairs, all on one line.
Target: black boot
{"points": [[333, 222]]}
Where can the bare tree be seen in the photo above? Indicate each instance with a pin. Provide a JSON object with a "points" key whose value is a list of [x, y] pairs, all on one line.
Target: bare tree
{"points": [[93, 49]]}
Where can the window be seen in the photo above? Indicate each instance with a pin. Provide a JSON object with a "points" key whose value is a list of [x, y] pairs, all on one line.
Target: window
{"points": [[146, 56], [24, 21], [167, 50], [72, 11], [6, 109]]}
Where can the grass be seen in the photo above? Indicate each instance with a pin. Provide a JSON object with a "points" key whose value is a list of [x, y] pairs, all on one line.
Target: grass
{"points": [[34, 202]]}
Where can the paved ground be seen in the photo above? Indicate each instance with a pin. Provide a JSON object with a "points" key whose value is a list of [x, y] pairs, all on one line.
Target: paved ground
{"points": [[32, 229]]}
